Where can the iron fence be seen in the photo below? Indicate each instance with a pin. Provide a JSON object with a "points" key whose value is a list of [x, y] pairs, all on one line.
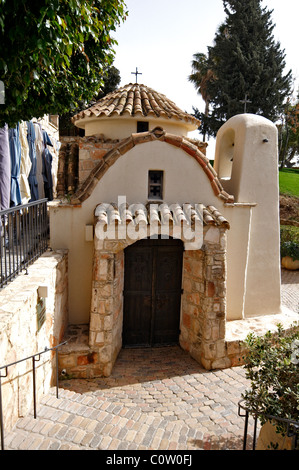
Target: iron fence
{"points": [[24, 237], [35, 358], [291, 426]]}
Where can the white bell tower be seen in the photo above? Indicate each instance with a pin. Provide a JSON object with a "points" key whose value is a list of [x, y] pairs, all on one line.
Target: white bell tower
{"points": [[246, 161]]}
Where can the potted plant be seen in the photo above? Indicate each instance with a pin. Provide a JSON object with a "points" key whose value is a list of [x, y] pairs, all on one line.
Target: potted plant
{"points": [[272, 366], [289, 251]]}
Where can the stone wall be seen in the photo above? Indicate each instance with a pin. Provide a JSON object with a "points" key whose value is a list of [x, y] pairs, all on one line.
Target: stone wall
{"points": [[21, 335], [202, 307], [106, 308], [203, 301], [78, 156]]}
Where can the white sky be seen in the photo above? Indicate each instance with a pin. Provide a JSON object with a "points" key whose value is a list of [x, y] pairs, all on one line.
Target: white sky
{"points": [[159, 37]]}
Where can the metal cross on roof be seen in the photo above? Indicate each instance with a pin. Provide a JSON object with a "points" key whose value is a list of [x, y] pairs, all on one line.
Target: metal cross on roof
{"points": [[245, 101], [136, 73]]}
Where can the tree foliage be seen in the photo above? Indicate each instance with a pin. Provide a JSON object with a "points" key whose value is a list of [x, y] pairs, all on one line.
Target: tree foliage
{"points": [[111, 80], [289, 136], [53, 53], [243, 60]]}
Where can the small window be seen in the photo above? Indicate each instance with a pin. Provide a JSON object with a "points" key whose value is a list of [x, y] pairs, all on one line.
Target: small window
{"points": [[142, 126], [155, 184]]}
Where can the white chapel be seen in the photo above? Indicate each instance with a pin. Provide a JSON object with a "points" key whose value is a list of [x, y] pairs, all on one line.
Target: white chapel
{"points": [[163, 247]]}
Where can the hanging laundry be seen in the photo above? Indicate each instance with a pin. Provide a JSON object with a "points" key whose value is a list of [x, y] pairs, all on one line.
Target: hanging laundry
{"points": [[4, 169], [15, 164], [32, 153], [39, 147], [25, 164], [47, 167], [55, 155]]}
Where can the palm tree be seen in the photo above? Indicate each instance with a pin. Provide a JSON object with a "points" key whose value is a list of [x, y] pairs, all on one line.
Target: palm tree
{"points": [[201, 76]]}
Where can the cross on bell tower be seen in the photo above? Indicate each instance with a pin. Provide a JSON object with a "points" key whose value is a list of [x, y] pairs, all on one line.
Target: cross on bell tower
{"points": [[136, 73], [245, 101]]}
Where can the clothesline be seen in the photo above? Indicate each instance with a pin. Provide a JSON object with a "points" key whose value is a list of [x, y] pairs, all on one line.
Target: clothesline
{"points": [[28, 168]]}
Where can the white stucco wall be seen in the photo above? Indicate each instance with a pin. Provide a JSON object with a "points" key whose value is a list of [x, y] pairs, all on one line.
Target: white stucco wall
{"points": [[120, 127], [251, 141], [184, 181]]}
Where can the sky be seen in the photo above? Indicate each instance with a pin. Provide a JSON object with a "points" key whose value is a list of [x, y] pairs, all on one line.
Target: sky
{"points": [[159, 37]]}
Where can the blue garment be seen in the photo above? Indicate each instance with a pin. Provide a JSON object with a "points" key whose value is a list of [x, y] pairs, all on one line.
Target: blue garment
{"points": [[4, 169], [32, 153], [15, 163], [47, 167]]}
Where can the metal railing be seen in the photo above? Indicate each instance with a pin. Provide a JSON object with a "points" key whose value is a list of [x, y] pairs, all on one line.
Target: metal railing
{"points": [[35, 358], [291, 427], [24, 237]]}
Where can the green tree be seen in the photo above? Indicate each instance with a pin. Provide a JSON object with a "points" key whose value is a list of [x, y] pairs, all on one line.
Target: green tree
{"points": [[245, 60], [111, 80], [200, 77], [54, 53], [289, 136]]}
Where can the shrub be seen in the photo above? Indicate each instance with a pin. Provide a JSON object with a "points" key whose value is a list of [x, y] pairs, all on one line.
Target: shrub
{"points": [[289, 249], [272, 366], [289, 241]]}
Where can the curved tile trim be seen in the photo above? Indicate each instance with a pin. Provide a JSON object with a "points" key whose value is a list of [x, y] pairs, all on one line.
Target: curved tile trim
{"points": [[143, 137]]}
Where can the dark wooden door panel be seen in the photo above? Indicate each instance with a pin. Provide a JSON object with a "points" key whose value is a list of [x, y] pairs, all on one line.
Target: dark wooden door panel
{"points": [[166, 318], [169, 269], [137, 321], [152, 292], [138, 269]]}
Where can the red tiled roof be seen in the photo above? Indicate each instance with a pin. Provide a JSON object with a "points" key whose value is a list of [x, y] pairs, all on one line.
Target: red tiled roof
{"points": [[135, 99]]}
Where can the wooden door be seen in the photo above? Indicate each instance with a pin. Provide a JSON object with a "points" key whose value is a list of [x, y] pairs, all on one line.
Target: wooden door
{"points": [[152, 292]]}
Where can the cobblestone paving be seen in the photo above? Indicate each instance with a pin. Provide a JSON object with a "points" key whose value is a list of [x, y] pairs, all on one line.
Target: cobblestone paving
{"points": [[290, 289], [159, 399]]}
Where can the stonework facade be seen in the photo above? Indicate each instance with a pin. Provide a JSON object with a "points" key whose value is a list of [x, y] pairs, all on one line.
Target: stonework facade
{"points": [[202, 323], [22, 334], [203, 302]]}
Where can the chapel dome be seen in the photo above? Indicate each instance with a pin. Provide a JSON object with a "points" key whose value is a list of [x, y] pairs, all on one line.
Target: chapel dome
{"points": [[134, 102]]}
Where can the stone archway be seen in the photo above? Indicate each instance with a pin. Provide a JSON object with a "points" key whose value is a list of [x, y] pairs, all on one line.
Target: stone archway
{"points": [[202, 315]]}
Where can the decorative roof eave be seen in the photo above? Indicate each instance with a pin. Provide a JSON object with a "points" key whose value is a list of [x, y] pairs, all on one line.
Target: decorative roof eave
{"points": [[143, 137], [125, 116], [135, 100], [110, 214]]}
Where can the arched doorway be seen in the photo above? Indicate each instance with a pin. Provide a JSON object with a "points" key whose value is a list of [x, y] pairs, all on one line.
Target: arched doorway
{"points": [[152, 292]]}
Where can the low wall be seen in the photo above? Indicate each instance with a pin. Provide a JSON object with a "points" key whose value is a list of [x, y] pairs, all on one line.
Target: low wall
{"points": [[33, 316]]}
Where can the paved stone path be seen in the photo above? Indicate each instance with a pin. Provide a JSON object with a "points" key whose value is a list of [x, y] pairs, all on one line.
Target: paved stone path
{"points": [[155, 399], [290, 289], [159, 399]]}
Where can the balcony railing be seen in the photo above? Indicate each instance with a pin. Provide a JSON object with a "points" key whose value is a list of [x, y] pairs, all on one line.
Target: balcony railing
{"points": [[23, 238]]}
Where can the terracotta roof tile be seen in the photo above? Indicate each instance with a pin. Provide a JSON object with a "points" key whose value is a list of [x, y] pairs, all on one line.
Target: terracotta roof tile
{"points": [[174, 214], [136, 99]]}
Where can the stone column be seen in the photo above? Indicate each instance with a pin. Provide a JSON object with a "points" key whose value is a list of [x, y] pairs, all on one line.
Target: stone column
{"points": [[192, 301], [213, 352], [106, 305]]}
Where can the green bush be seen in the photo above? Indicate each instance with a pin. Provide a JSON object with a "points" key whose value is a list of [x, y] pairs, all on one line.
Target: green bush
{"points": [[289, 233], [289, 241], [272, 366], [289, 249]]}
